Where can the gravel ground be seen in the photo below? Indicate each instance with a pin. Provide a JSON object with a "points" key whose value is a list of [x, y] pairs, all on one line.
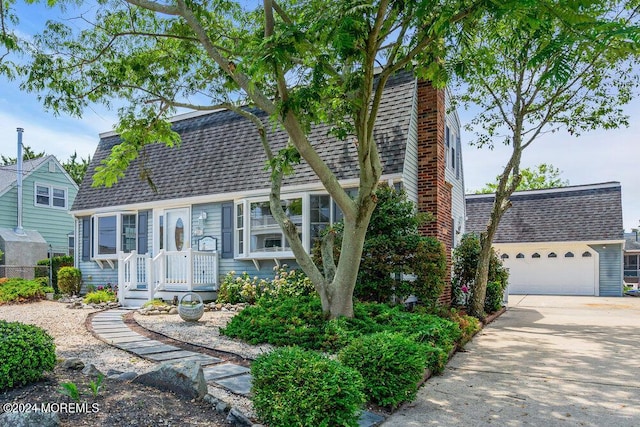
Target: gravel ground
{"points": [[71, 337]]}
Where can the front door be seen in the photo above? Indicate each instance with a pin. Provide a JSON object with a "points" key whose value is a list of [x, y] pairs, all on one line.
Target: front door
{"points": [[177, 240]]}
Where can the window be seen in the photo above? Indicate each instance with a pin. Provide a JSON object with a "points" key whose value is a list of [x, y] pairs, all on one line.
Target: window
{"points": [[46, 195], [520, 256], [504, 256], [128, 233], [257, 234], [453, 157], [115, 232], [458, 160], [240, 228], [535, 255], [568, 255], [59, 198], [447, 146], [42, 195], [586, 254], [552, 255], [320, 216], [71, 244], [106, 235], [265, 234]]}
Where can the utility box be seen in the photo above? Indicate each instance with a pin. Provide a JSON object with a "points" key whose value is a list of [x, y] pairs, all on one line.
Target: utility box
{"points": [[20, 251]]}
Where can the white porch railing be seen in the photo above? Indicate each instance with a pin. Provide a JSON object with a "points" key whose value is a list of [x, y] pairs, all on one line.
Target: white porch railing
{"points": [[132, 274], [168, 270]]}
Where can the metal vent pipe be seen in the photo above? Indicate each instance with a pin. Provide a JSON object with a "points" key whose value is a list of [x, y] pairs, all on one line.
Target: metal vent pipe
{"points": [[19, 230]]}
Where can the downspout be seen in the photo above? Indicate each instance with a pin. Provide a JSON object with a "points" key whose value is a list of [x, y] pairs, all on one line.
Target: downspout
{"points": [[19, 230]]}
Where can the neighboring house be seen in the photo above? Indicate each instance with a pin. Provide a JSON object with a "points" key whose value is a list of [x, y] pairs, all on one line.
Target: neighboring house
{"points": [[47, 195], [208, 213], [632, 258], [559, 241]]}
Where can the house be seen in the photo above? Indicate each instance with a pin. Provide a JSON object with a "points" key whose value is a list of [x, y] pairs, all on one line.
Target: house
{"points": [[632, 258], [208, 213], [558, 241], [47, 195]]}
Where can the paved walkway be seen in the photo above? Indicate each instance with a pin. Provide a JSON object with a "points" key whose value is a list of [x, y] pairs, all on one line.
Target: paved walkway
{"points": [[567, 361], [110, 327]]}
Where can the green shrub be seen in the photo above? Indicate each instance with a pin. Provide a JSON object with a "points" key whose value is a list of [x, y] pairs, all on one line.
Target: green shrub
{"points": [[299, 321], [97, 297], [468, 325], [58, 262], [289, 321], [26, 351], [465, 261], [294, 387], [244, 288], [391, 364], [288, 283], [69, 280], [21, 290], [393, 246], [494, 297]]}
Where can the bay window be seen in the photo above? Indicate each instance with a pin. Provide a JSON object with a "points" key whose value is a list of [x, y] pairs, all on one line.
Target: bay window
{"points": [[257, 234], [265, 234]]}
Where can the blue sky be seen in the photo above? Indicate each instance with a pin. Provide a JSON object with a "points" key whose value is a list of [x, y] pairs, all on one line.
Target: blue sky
{"points": [[595, 157]]}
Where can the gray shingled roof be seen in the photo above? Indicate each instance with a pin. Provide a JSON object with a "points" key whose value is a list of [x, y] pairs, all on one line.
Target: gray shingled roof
{"points": [[578, 213], [631, 242], [8, 175], [221, 153]]}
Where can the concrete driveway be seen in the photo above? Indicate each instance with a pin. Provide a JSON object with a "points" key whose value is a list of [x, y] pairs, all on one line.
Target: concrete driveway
{"points": [[547, 361]]}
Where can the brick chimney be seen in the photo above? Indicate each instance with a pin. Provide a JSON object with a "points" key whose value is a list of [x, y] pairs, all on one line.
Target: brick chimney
{"points": [[434, 192]]}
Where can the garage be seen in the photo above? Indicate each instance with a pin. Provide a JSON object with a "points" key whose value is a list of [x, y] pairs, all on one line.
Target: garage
{"points": [[550, 269], [558, 241]]}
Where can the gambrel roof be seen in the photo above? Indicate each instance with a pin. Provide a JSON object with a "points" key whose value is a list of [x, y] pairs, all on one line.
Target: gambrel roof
{"points": [[576, 213], [221, 153]]}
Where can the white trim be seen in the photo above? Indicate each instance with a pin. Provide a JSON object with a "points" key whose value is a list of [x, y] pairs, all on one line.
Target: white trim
{"points": [[43, 160], [224, 197], [572, 188], [95, 236], [561, 243], [50, 188]]}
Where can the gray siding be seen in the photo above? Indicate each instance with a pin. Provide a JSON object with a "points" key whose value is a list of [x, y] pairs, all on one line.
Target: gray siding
{"points": [[213, 228], [610, 279], [92, 274], [410, 166], [458, 208]]}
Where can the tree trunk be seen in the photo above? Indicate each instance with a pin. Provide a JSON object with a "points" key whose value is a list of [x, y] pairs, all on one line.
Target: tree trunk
{"points": [[482, 270], [501, 203]]}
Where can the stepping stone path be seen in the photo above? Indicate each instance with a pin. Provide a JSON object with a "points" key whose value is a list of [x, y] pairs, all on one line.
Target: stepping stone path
{"points": [[109, 326]]}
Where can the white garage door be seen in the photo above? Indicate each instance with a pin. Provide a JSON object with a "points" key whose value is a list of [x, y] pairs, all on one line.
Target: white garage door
{"points": [[551, 271]]}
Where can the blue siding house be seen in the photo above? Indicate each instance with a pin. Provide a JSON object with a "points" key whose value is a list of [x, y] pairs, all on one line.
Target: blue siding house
{"points": [[47, 195], [208, 213]]}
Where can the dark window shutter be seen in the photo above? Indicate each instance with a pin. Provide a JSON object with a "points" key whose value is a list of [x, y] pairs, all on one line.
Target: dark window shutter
{"points": [[227, 230], [143, 232], [86, 239]]}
